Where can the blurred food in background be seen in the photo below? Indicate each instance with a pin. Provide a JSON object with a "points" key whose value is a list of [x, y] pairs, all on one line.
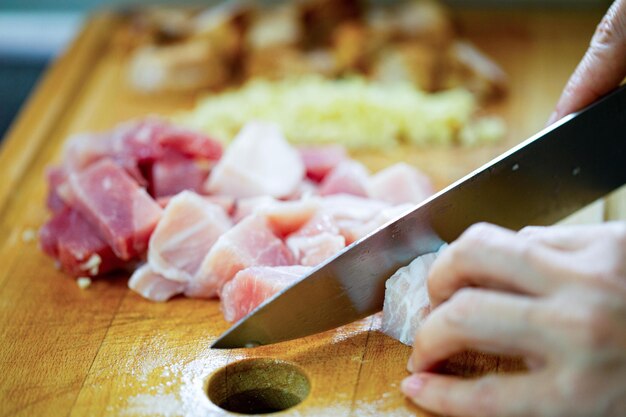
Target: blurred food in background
{"points": [[222, 46], [326, 71]]}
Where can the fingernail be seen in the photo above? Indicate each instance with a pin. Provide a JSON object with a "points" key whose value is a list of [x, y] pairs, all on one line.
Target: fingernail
{"points": [[412, 385], [409, 365], [553, 118]]}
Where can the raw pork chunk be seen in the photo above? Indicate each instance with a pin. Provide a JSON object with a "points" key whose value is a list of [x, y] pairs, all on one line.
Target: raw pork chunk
{"points": [[250, 243], [154, 286], [123, 213], [188, 229], [77, 245], [56, 177], [258, 162], [349, 177], [317, 240], [252, 286], [398, 184], [354, 231], [406, 299], [175, 174], [320, 160]]}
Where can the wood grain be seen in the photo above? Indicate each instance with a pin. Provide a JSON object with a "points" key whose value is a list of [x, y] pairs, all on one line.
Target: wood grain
{"points": [[105, 351]]}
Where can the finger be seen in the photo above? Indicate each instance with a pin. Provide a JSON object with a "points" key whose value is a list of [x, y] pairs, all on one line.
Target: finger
{"points": [[568, 238], [492, 395], [602, 68], [479, 320], [486, 256]]}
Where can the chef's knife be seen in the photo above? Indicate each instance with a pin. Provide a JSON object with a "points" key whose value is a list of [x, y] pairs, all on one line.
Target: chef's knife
{"points": [[549, 176]]}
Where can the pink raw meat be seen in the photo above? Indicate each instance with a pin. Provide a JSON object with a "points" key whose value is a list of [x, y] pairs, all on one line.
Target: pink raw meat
{"points": [[258, 162], [311, 250], [77, 245], [285, 217], [137, 144], [121, 211], [189, 143], [317, 240], [249, 243], [320, 160], [189, 227], [224, 201], [252, 286], [153, 286], [172, 175], [398, 184], [354, 231], [349, 212], [56, 177], [251, 205], [349, 177]]}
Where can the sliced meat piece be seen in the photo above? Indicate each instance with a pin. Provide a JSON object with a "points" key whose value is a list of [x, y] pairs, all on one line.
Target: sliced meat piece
{"points": [[252, 286], [258, 162], [320, 160], [226, 202], [311, 250], [249, 243], [350, 212], [189, 227], [190, 143], [306, 189], [84, 149], [172, 175], [56, 177], [136, 144], [77, 245], [123, 213], [398, 184], [354, 231], [285, 217], [349, 177], [153, 286], [406, 299], [322, 222], [350, 207], [251, 205]]}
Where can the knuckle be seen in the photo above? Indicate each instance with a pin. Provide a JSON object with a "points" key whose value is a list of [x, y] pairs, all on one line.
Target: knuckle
{"points": [[476, 236], [608, 31], [462, 304], [596, 329]]}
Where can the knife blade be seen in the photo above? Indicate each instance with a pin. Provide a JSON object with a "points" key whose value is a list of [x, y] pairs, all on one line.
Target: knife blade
{"points": [[545, 178]]}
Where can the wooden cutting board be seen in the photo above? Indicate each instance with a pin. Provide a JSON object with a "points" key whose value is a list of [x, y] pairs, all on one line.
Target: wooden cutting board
{"points": [[105, 351]]}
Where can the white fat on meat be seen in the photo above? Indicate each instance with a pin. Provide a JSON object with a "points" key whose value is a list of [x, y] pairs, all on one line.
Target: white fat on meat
{"points": [[398, 184], [249, 243], [252, 286], [406, 299], [154, 286], [258, 162], [189, 227]]}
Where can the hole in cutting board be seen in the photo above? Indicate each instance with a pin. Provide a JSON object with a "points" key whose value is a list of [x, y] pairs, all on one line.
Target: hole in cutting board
{"points": [[258, 386]]}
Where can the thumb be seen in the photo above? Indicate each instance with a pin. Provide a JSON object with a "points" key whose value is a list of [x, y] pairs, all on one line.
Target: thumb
{"points": [[602, 68]]}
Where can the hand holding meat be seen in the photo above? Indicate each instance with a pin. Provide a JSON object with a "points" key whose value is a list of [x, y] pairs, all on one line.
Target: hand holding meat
{"points": [[556, 296], [602, 68]]}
